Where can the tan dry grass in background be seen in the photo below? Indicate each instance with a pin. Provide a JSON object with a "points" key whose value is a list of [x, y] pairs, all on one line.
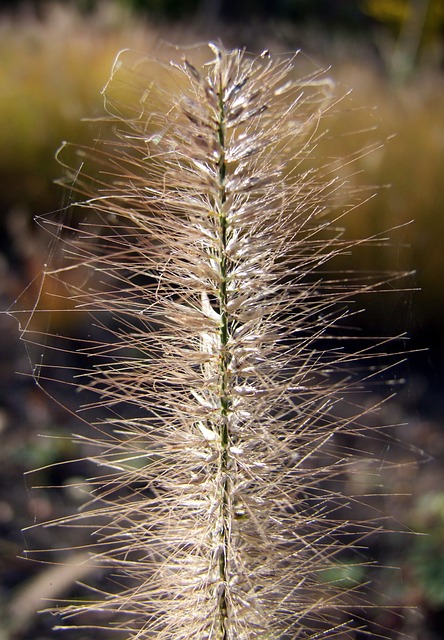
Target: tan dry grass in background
{"points": [[51, 73]]}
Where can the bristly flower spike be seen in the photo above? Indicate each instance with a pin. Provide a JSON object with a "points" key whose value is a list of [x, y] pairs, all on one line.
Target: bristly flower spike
{"points": [[220, 508]]}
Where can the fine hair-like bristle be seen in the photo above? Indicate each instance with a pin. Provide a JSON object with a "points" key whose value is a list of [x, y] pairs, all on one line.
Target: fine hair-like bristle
{"points": [[201, 262]]}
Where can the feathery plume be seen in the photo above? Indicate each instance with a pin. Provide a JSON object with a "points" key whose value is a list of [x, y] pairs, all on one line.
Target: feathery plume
{"points": [[218, 499]]}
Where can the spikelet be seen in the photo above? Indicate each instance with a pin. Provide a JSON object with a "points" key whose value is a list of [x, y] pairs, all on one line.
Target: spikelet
{"points": [[217, 499]]}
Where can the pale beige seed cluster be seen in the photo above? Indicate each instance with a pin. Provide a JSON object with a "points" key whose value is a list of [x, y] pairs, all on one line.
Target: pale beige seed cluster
{"points": [[219, 506]]}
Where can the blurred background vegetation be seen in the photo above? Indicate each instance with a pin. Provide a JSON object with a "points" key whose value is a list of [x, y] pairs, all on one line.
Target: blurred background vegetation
{"points": [[54, 59]]}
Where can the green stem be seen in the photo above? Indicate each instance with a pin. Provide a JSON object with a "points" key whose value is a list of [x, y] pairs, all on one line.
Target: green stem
{"points": [[224, 374]]}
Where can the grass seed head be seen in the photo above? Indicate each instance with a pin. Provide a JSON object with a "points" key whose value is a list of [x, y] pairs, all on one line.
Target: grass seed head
{"points": [[204, 259]]}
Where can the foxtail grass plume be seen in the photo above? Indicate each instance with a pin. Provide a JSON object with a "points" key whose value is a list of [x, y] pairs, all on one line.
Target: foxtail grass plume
{"points": [[202, 254]]}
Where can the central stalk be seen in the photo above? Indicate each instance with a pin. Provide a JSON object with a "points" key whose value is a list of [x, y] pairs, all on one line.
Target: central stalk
{"points": [[224, 361]]}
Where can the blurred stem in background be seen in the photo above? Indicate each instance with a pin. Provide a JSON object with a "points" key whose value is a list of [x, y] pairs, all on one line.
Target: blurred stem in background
{"points": [[410, 37], [416, 26]]}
